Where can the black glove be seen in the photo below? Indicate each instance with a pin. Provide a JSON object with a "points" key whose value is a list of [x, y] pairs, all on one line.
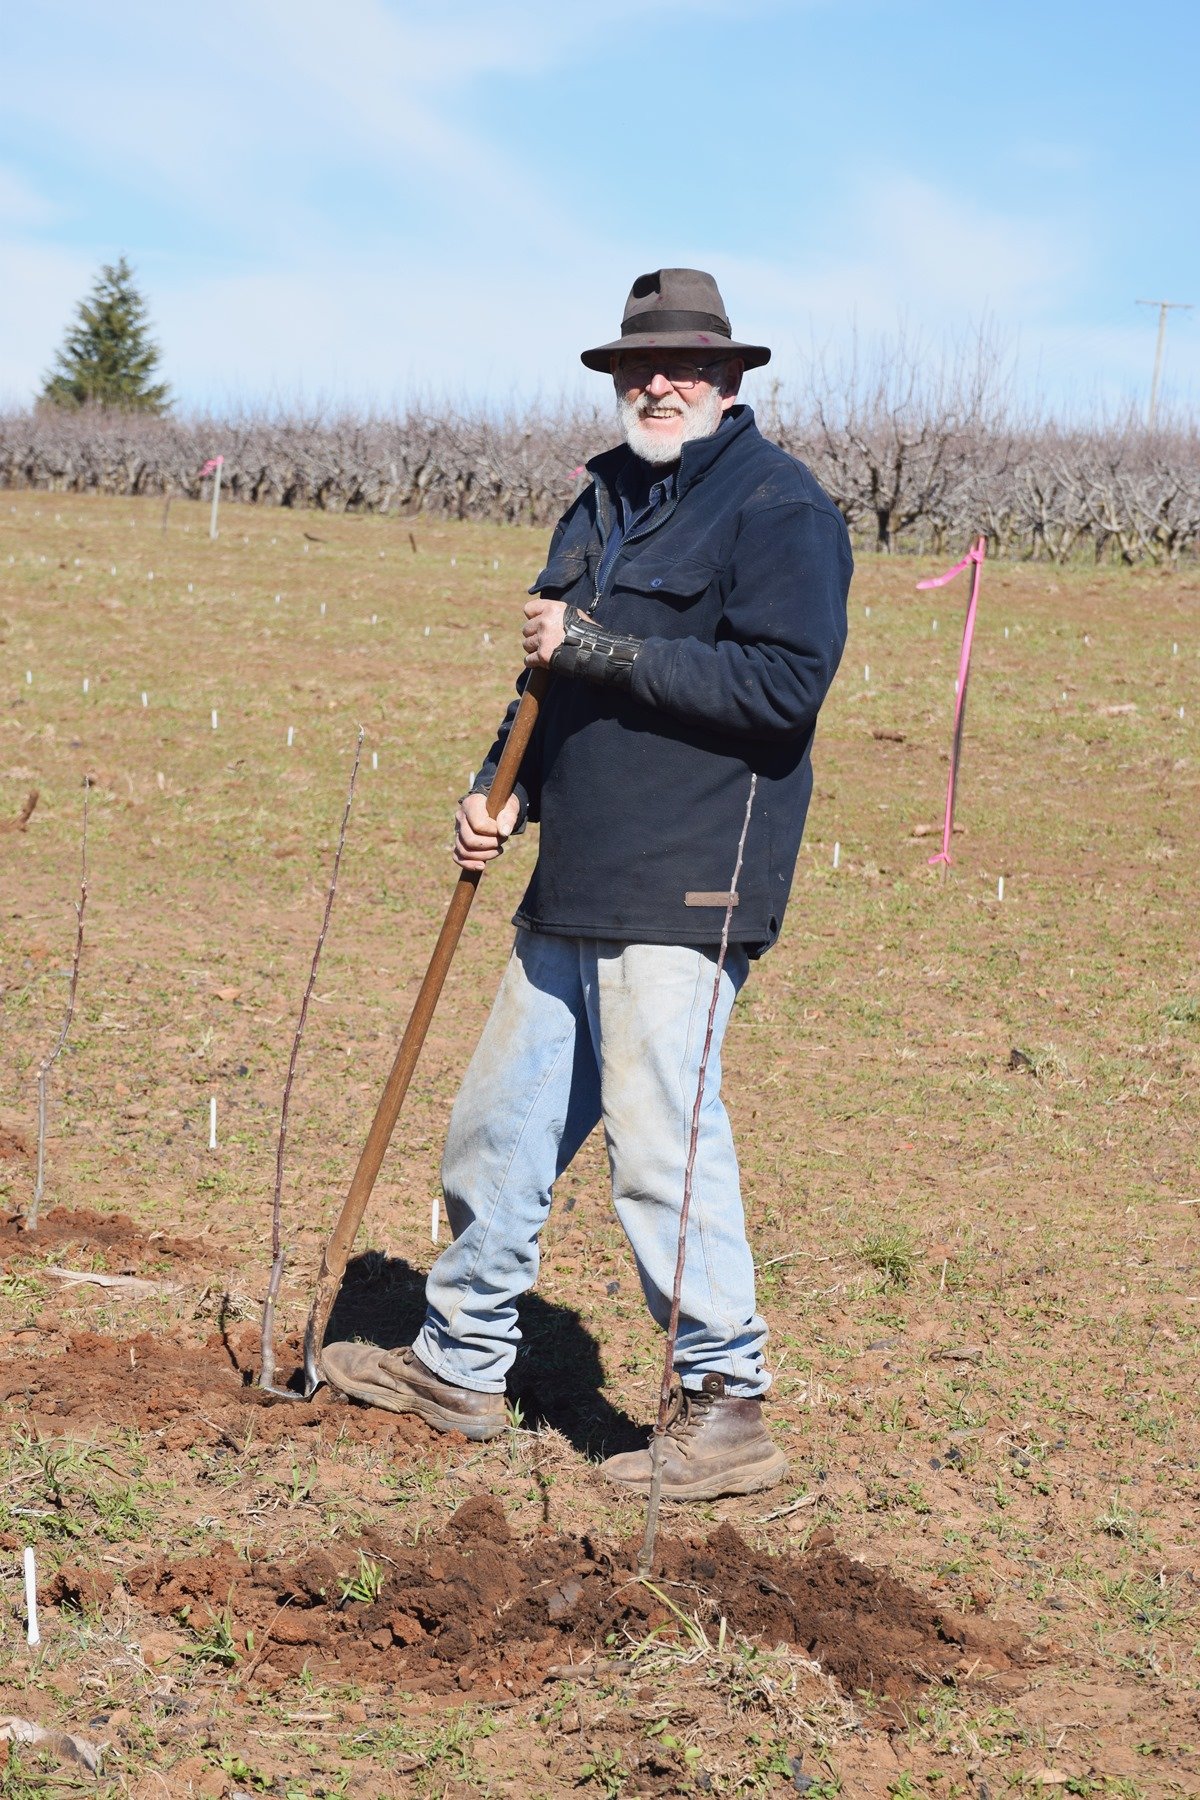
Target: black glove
{"points": [[590, 653]]}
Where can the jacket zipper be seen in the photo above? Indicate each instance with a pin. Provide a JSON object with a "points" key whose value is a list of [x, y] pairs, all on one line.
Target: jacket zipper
{"points": [[634, 537]]}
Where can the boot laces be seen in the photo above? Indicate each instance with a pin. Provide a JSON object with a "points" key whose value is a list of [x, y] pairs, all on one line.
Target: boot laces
{"points": [[689, 1409]]}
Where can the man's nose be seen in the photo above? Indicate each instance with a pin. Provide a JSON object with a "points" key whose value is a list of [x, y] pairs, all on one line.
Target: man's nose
{"points": [[658, 385]]}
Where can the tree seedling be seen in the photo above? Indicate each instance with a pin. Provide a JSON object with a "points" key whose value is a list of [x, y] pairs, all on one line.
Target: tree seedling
{"points": [[266, 1376]]}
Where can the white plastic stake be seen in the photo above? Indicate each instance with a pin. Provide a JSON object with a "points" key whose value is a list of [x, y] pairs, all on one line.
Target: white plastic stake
{"points": [[278, 597], [212, 1124], [1000, 888], [33, 1636], [85, 684], [214, 718], [322, 609], [935, 624], [1006, 631], [290, 731], [1181, 712], [867, 610], [1174, 649], [427, 631], [374, 759], [837, 855], [29, 678], [216, 500], [375, 616], [433, 1219], [145, 698], [866, 672]]}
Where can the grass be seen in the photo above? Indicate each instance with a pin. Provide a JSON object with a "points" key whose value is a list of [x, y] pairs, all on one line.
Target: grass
{"points": [[979, 1277]]}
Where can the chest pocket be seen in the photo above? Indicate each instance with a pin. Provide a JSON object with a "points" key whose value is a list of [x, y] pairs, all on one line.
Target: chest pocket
{"points": [[676, 583]]}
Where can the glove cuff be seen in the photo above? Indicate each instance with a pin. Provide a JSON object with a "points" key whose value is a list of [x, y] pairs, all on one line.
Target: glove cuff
{"points": [[590, 653]]}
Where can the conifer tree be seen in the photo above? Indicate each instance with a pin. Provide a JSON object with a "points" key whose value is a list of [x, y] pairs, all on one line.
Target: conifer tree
{"points": [[109, 358]]}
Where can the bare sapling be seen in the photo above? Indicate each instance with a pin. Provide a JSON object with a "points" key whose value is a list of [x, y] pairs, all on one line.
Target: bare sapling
{"points": [[658, 1440], [48, 1061], [266, 1378]]}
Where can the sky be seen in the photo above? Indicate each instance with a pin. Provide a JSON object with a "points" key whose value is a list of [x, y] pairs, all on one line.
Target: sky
{"points": [[365, 203]]}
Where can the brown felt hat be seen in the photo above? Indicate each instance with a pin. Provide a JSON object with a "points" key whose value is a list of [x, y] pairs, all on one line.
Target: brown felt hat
{"points": [[676, 309]]}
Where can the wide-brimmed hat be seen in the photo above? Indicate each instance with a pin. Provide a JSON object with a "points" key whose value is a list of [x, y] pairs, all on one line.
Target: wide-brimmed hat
{"points": [[676, 309]]}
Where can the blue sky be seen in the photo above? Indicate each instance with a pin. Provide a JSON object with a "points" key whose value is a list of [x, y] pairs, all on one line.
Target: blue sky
{"points": [[376, 198]]}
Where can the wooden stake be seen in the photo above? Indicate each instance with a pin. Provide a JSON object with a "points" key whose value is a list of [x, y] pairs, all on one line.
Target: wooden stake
{"points": [[266, 1378], [646, 1557], [216, 499]]}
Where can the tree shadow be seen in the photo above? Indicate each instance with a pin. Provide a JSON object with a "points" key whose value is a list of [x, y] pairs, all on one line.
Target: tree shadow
{"points": [[558, 1376]]}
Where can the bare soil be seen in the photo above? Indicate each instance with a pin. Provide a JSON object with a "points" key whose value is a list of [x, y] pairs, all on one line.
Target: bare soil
{"points": [[475, 1613], [112, 1242], [967, 1130]]}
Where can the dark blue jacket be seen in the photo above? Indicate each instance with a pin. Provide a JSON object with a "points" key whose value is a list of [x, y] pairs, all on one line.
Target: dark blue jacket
{"points": [[738, 586]]}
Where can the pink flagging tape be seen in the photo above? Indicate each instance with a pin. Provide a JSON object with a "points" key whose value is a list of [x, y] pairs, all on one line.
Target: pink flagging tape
{"points": [[214, 462], [577, 472], [974, 560]]}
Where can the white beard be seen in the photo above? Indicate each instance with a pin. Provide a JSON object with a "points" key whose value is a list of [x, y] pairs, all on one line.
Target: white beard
{"points": [[698, 420]]}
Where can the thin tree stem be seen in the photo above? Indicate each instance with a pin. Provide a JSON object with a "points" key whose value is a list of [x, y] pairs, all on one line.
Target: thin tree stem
{"points": [[47, 1063], [266, 1377], [657, 1442]]}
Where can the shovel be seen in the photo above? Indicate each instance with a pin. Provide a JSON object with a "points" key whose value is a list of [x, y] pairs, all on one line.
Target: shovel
{"points": [[337, 1250]]}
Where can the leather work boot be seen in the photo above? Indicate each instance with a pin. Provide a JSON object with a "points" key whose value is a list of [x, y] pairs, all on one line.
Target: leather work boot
{"points": [[400, 1382], [715, 1444]]}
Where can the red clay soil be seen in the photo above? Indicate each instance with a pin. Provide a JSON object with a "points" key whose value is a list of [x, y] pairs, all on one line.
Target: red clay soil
{"points": [[13, 1147], [125, 1250], [187, 1394], [475, 1613]]}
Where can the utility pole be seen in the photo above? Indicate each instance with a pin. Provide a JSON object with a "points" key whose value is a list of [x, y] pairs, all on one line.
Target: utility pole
{"points": [[1164, 307]]}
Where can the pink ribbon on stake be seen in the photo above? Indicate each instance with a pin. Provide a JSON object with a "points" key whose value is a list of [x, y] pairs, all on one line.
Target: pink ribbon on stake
{"points": [[975, 555], [213, 463]]}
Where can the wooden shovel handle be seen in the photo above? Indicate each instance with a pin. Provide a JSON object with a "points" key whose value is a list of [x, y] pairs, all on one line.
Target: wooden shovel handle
{"points": [[337, 1250]]}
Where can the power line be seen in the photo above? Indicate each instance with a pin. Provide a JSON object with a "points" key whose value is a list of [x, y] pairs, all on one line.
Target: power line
{"points": [[1164, 307]]}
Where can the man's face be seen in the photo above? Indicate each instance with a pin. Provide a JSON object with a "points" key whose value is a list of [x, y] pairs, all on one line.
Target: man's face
{"points": [[665, 399]]}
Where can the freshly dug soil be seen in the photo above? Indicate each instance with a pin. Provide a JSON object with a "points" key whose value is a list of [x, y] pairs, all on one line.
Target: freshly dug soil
{"points": [[473, 1612], [14, 1147], [124, 1248], [188, 1394]]}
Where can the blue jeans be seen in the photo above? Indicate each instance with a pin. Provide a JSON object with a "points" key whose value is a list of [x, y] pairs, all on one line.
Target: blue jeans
{"points": [[581, 1032]]}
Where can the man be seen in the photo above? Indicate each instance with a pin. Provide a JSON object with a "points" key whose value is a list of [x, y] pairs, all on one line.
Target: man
{"points": [[692, 611]]}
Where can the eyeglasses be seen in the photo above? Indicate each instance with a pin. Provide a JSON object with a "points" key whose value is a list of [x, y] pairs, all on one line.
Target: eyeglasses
{"points": [[639, 371]]}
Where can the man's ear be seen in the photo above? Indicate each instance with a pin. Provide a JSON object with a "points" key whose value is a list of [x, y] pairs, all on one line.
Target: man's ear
{"points": [[731, 381]]}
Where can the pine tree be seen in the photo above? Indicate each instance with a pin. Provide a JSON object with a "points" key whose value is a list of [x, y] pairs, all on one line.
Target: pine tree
{"points": [[109, 358]]}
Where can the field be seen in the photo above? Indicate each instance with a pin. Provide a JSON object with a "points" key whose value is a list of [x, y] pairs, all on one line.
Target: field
{"points": [[968, 1129]]}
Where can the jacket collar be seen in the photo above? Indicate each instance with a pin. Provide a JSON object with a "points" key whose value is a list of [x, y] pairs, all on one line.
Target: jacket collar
{"points": [[696, 459]]}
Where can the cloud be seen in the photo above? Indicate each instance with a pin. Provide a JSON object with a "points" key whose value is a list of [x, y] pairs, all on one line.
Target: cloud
{"points": [[20, 203], [317, 202], [41, 286]]}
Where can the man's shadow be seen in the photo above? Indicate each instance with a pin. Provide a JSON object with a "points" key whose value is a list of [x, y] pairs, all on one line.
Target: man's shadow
{"points": [[557, 1377]]}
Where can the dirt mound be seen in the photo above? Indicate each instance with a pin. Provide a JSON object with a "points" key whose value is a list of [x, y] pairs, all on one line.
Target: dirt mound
{"points": [[475, 1613], [13, 1147], [125, 1249], [188, 1394]]}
